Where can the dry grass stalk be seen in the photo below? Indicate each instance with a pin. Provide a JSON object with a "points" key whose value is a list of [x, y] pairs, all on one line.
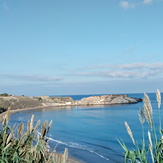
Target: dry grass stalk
{"points": [[37, 125], [158, 98], [150, 146], [148, 115], [21, 141], [21, 129], [9, 137], [141, 116], [148, 103], [6, 117], [43, 131], [129, 132], [8, 145], [31, 122], [50, 124], [29, 127]]}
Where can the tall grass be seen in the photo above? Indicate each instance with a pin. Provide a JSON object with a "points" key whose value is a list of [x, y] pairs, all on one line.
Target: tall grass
{"points": [[27, 146], [150, 150]]}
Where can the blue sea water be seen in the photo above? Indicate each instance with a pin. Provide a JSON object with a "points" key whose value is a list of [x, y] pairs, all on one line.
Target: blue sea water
{"points": [[90, 132]]}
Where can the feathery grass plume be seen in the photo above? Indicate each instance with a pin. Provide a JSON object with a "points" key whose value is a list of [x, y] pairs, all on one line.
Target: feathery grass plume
{"points": [[50, 124], [148, 115], [43, 131], [150, 146], [31, 122], [37, 125], [21, 140], [141, 116], [6, 117], [9, 137], [129, 132], [21, 129], [29, 127], [158, 98], [148, 103], [142, 120]]}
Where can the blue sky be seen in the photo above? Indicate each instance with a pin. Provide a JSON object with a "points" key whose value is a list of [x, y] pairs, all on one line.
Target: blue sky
{"points": [[64, 47]]}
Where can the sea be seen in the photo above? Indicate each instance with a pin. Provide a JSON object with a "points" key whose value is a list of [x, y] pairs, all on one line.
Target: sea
{"points": [[91, 133]]}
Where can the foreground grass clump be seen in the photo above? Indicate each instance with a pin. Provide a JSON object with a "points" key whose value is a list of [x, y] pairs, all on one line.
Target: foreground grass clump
{"points": [[150, 150], [21, 146]]}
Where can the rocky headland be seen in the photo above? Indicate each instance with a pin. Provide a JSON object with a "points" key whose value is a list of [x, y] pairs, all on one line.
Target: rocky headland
{"points": [[23, 102]]}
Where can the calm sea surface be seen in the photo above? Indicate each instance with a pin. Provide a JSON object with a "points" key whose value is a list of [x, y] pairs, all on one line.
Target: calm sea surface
{"points": [[90, 132]]}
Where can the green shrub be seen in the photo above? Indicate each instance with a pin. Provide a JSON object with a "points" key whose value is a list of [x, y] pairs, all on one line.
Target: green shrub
{"points": [[150, 150], [27, 146]]}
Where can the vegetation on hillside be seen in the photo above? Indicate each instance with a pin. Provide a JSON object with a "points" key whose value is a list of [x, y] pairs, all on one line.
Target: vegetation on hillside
{"points": [[19, 146], [150, 150]]}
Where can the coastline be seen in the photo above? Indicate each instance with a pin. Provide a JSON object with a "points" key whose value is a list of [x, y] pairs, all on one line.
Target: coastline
{"points": [[60, 102], [18, 110]]}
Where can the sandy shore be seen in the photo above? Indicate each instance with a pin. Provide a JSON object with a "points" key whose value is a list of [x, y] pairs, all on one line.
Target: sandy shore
{"points": [[18, 110], [70, 159]]}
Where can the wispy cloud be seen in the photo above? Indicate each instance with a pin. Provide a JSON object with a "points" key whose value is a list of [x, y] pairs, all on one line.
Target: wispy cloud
{"points": [[127, 4], [130, 71], [147, 1], [124, 4], [33, 78]]}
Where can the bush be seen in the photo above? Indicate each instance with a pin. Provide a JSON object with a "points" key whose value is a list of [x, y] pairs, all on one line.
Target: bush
{"points": [[4, 94], [27, 147], [150, 150]]}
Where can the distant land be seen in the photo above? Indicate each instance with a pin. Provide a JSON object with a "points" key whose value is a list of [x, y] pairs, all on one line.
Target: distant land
{"points": [[25, 102]]}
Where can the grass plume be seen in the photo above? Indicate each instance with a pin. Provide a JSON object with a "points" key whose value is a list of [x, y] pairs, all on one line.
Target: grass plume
{"points": [[19, 146], [129, 132], [153, 146]]}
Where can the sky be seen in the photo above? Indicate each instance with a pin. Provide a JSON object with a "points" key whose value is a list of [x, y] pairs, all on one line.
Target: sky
{"points": [[70, 47]]}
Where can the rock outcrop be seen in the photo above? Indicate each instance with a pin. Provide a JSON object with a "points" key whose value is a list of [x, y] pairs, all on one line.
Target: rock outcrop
{"points": [[107, 100]]}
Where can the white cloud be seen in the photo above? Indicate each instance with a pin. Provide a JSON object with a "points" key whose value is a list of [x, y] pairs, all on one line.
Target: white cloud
{"points": [[33, 78], [147, 1], [130, 71], [124, 4], [150, 66]]}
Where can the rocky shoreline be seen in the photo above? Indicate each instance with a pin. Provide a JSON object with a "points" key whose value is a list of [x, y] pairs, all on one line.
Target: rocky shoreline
{"points": [[23, 102]]}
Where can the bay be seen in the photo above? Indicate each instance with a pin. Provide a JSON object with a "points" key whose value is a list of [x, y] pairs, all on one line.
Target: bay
{"points": [[90, 132]]}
